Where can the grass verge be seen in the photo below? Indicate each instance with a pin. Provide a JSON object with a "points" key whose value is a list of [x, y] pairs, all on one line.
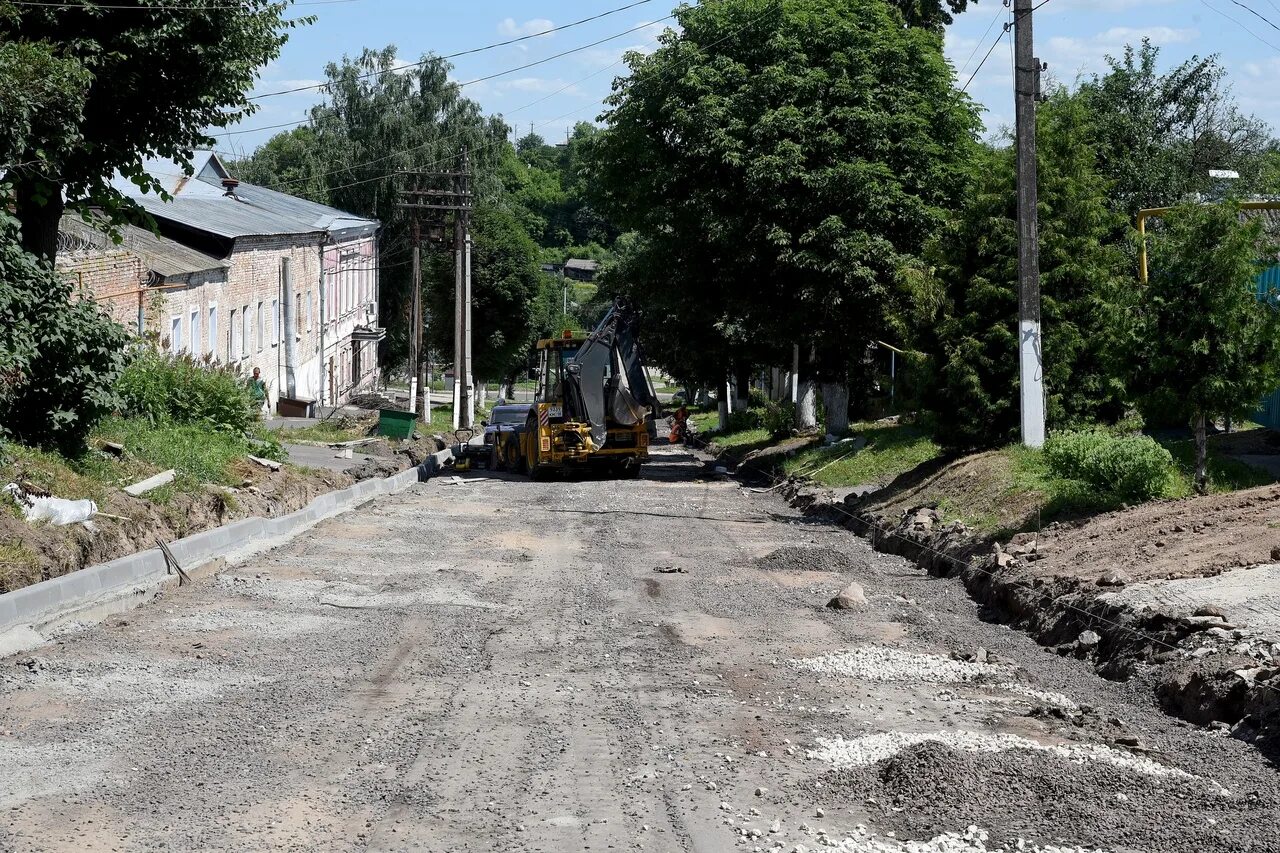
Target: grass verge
{"points": [[891, 449]]}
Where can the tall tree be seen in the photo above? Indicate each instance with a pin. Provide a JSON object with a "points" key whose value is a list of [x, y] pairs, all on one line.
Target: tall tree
{"points": [[1158, 135], [1197, 338], [376, 124], [973, 339], [787, 158], [157, 76]]}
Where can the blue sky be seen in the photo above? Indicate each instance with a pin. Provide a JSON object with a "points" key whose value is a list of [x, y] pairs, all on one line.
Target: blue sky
{"points": [[1073, 36]]}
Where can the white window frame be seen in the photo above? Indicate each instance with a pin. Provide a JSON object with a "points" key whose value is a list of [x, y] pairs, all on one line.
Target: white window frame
{"points": [[276, 337], [236, 335], [261, 325], [196, 338], [246, 333], [211, 318], [175, 334]]}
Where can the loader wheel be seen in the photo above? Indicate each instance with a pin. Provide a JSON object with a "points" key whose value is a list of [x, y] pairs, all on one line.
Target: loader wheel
{"points": [[513, 458], [532, 458]]}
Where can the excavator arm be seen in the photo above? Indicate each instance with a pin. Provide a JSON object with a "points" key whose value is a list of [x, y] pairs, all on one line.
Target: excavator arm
{"points": [[607, 381]]}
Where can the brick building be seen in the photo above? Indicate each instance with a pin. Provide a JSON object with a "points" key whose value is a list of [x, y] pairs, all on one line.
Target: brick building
{"points": [[245, 275]]}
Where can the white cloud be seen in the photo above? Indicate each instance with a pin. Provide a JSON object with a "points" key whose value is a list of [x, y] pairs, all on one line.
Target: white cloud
{"points": [[1069, 57], [539, 85], [510, 28]]}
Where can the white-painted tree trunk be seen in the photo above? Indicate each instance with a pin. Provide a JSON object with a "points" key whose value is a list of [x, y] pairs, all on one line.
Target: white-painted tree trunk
{"points": [[482, 393], [807, 407], [835, 398], [722, 410]]}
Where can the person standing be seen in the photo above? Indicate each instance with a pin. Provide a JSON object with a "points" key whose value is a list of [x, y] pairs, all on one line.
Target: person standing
{"points": [[258, 390]]}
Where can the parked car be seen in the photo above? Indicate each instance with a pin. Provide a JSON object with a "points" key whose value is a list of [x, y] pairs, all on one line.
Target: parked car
{"points": [[502, 435]]}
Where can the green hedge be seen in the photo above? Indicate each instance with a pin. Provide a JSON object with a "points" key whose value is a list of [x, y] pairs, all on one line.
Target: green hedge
{"points": [[1129, 468]]}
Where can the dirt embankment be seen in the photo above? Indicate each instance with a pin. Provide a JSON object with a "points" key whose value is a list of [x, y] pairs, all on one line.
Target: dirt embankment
{"points": [[36, 552], [1203, 664]]}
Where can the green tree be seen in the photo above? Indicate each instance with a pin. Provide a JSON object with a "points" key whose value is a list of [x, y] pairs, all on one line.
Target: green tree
{"points": [[973, 340], [376, 124], [504, 288], [158, 76], [60, 355], [1197, 339], [1158, 135], [930, 14], [783, 161]]}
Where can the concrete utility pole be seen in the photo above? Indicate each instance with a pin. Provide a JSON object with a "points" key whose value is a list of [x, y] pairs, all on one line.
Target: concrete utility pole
{"points": [[1030, 353], [456, 200], [415, 334]]}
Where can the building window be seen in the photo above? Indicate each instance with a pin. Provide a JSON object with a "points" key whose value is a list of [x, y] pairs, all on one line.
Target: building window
{"points": [[311, 298], [233, 348], [261, 327], [195, 333], [355, 363], [175, 335], [276, 337], [213, 331], [246, 332], [297, 316]]}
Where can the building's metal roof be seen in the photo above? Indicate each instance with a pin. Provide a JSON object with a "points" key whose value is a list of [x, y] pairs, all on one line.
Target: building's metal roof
{"points": [[202, 203], [162, 256], [580, 264]]}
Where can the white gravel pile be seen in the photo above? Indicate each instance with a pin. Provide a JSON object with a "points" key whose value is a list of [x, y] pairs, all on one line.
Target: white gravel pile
{"points": [[1046, 697], [877, 663], [972, 840], [869, 749]]}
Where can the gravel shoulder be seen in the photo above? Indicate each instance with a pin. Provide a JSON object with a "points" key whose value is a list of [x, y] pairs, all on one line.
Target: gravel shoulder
{"points": [[587, 665]]}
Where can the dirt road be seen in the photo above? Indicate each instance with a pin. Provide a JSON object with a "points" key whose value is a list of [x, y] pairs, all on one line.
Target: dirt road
{"points": [[517, 666]]}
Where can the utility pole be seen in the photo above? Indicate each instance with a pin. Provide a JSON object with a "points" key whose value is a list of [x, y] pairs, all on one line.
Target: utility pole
{"points": [[415, 335], [1030, 354], [437, 194]]}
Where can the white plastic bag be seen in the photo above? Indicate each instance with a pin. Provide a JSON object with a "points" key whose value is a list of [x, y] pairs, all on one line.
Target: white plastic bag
{"points": [[59, 511]]}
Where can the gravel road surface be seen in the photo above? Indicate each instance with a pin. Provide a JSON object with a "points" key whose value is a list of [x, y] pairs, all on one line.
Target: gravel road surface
{"points": [[502, 665]]}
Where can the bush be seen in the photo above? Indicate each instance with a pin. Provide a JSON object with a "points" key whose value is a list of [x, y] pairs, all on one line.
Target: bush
{"points": [[778, 418], [59, 355], [183, 390], [1130, 468], [743, 421]]}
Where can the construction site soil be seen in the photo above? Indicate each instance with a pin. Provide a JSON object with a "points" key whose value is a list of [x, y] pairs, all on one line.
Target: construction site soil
{"points": [[488, 663]]}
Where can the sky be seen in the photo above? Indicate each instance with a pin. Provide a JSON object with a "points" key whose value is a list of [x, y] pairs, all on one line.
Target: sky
{"points": [[1073, 36]]}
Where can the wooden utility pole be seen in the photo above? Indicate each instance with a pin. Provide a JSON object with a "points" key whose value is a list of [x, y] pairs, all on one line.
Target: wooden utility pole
{"points": [[1030, 354], [415, 336]]}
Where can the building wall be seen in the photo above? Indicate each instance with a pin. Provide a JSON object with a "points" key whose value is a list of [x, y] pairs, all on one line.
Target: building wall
{"points": [[112, 277], [242, 307]]}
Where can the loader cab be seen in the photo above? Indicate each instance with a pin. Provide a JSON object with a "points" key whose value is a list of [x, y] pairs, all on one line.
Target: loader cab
{"points": [[554, 355]]}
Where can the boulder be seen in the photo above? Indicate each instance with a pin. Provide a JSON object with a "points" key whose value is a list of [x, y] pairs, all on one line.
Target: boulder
{"points": [[1114, 578], [850, 598], [1088, 639]]}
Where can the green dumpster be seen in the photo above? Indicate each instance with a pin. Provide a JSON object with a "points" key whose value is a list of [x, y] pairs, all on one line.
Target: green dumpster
{"points": [[396, 424]]}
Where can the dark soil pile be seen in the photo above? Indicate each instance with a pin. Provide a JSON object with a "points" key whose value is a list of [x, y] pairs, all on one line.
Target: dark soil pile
{"points": [[796, 559]]}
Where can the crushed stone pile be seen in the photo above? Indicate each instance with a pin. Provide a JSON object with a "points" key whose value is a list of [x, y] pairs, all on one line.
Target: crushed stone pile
{"points": [[869, 749], [888, 665], [797, 559], [972, 840], [1041, 796]]}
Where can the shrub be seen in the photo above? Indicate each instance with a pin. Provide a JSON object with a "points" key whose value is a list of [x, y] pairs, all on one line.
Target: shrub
{"points": [[743, 421], [778, 418], [59, 355], [1130, 468], [757, 399], [183, 390]]}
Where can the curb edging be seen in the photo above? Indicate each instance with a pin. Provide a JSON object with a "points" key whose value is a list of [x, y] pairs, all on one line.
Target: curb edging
{"points": [[95, 592]]}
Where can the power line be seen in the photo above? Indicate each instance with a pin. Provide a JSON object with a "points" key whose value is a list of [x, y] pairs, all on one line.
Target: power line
{"points": [[463, 52], [1233, 20], [1003, 32], [90, 6], [1257, 14], [463, 85], [426, 166], [978, 43]]}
